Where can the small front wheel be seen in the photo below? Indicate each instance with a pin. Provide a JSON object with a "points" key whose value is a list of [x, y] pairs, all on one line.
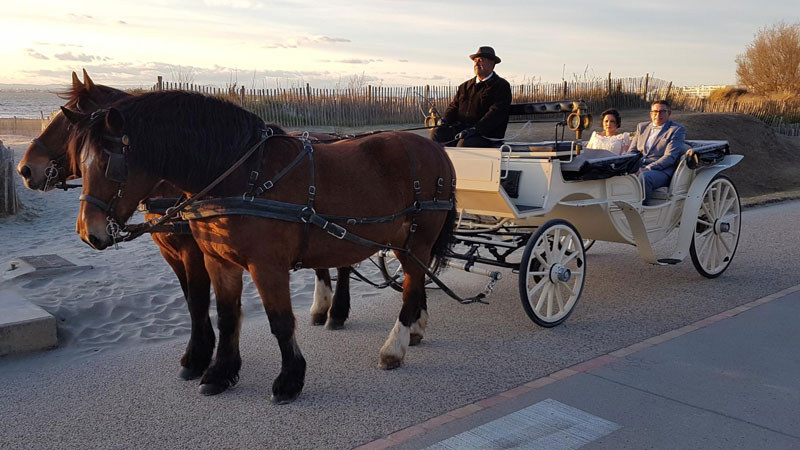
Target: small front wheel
{"points": [[552, 273], [716, 233]]}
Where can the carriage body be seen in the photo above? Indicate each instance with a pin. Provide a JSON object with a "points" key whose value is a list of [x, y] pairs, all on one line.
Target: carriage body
{"points": [[550, 198]]}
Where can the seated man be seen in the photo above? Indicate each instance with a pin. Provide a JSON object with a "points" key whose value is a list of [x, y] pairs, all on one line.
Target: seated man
{"points": [[480, 107], [662, 142]]}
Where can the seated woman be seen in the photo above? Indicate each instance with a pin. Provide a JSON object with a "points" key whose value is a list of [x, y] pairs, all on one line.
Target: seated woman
{"points": [[610, 139]]}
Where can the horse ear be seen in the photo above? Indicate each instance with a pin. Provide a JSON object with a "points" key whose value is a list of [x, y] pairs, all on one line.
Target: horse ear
{"points": [[87, 81], [76, 83], [115, 122], [72, 116]]}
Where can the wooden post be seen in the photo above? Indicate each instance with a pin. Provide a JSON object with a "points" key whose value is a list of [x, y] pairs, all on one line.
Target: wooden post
{"points": [[160, 84], [609, 85], [564, 90], [9, 203], [644, 90], [669, 88], [241, 96]]}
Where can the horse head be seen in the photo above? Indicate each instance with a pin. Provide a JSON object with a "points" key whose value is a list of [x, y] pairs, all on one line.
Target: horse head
{"points": [[112, 186], [45, 163]]}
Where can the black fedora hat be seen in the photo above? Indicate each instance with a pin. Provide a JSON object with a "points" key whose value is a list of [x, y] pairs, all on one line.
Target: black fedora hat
{"points": [[486, 52]]}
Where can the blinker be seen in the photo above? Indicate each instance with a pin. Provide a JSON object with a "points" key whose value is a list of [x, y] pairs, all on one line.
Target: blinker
{"points": [[117, 168]]}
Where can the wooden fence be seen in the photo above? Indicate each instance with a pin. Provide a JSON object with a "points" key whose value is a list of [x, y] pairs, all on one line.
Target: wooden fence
{"points": [[376, 105], [24, 127]]}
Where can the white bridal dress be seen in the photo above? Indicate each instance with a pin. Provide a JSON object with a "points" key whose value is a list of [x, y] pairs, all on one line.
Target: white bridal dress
{"points": [[618, 143]]}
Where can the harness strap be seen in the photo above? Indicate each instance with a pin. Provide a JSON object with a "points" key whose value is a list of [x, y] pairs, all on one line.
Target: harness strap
{"points": [[270, 183], [312, 192]]}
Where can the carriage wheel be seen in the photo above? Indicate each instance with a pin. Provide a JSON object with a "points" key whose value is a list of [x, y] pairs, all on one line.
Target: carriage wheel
{"points": [[552, 273], [587, 244], [716, 234]]}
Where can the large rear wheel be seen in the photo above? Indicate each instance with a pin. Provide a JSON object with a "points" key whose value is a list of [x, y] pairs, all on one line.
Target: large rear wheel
{"points": [[552, 273], [716, 234]]}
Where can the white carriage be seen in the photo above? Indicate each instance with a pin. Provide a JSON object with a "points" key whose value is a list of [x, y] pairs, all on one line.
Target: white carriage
{"points": [[552, 197]]}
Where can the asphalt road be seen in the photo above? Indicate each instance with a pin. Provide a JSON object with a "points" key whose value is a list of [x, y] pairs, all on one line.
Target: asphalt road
{"points": [[131, 397]]}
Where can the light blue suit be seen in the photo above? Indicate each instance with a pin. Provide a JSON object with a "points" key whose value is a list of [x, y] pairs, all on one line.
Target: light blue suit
{"points": [[663, 157]]}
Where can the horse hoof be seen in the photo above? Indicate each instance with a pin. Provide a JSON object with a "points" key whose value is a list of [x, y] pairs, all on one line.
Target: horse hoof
{"points": [[415, 339], [187, 374], [212, 389], [283, 399], [334, 324], [318, 319], [389, 363]]}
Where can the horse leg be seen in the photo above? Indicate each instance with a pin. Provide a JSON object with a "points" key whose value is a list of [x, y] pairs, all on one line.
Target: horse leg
{"points": [[340, 308], [224, 371], [323, 297], [198, 298], [273, 286], [411, 317]]}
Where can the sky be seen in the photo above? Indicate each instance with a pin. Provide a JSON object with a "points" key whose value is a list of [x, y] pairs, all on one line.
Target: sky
{"points": [[340, 43]]}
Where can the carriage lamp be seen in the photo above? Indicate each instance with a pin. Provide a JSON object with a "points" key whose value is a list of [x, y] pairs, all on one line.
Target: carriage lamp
{"points": [[579, 119]]}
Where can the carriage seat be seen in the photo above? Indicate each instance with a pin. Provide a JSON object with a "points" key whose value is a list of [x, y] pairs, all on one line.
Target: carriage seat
{"points": [[678, 185], [600, 164]]}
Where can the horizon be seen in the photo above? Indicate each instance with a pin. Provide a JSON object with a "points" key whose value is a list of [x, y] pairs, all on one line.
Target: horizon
{"points": [[402, 43]]}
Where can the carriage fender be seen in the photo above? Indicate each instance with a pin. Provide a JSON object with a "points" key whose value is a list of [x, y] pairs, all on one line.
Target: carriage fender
{"points": [[694, 198]]}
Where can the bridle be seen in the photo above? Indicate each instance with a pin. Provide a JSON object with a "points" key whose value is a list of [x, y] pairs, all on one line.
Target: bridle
{"points": [[116, 171], [56, 168]]}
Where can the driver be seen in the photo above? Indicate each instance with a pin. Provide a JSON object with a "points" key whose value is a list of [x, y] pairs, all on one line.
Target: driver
{"points": [[480, 107]]}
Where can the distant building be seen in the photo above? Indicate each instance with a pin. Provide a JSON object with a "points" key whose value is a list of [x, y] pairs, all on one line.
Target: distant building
{"points": [[702, 91]]}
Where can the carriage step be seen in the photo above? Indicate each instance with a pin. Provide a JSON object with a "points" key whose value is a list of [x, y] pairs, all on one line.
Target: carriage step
{"points": [[671, 261]]}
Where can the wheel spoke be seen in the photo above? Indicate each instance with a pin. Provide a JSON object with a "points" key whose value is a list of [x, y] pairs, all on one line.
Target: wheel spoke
{"points": [[542, 296], [703, 222], [728, 249], [550, 295], [705, 233], [532, 291], [559, 298]]}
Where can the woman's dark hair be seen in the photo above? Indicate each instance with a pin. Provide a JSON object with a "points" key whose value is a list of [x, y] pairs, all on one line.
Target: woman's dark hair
{"points": [[614, 113]]}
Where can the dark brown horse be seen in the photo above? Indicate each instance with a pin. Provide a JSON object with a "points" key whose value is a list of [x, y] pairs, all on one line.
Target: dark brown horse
{"points": [[46, 164], [191, 140]]}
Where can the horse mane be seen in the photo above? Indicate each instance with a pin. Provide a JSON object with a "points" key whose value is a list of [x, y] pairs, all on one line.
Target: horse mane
{"points": [[179, 135], [107, 93]]}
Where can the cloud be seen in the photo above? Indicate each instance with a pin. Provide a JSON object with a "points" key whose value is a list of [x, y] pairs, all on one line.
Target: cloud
{"points": [[122, 22], [306, 41], [80, 16], [83, 57], [358, 61], [34, 54]]}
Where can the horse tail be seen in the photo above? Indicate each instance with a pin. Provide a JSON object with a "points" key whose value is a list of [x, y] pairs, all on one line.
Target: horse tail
{"points": [[446, 238]]}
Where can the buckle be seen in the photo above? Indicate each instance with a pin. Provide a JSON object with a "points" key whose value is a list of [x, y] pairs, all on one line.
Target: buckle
{"points": [[334, 230]]}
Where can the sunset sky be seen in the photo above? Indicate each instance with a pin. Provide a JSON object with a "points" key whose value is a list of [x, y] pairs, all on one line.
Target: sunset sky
{"points": [[283, 43]]}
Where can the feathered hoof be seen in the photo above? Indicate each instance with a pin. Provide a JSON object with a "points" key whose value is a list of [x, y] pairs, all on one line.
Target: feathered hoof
{"points": [[334, 324], [187, 374], [212, 389], [389, 363], [318, 319], [415, 339]]}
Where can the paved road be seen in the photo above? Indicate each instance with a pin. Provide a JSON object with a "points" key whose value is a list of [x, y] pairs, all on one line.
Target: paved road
{"points": [[131, 398]]}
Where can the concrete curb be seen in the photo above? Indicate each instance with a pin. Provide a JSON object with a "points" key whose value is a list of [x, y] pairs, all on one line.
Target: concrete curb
{"points": [[24, 326]]}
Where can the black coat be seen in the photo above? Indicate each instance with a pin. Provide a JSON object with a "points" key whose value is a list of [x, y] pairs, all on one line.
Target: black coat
{"points": [[483, 105]]}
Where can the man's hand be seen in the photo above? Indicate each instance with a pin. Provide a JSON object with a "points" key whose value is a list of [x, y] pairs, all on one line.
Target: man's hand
{"points": [[469, 132]]}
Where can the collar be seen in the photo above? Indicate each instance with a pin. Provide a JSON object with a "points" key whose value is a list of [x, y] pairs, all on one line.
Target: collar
{"points": [[478, 80]]}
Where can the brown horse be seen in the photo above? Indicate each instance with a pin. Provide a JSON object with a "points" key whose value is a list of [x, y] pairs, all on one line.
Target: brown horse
{"points": [[46, 164], [385, 189]]}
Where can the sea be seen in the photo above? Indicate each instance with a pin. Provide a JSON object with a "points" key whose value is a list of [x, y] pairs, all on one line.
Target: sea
{"points": [[29, 104]]}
